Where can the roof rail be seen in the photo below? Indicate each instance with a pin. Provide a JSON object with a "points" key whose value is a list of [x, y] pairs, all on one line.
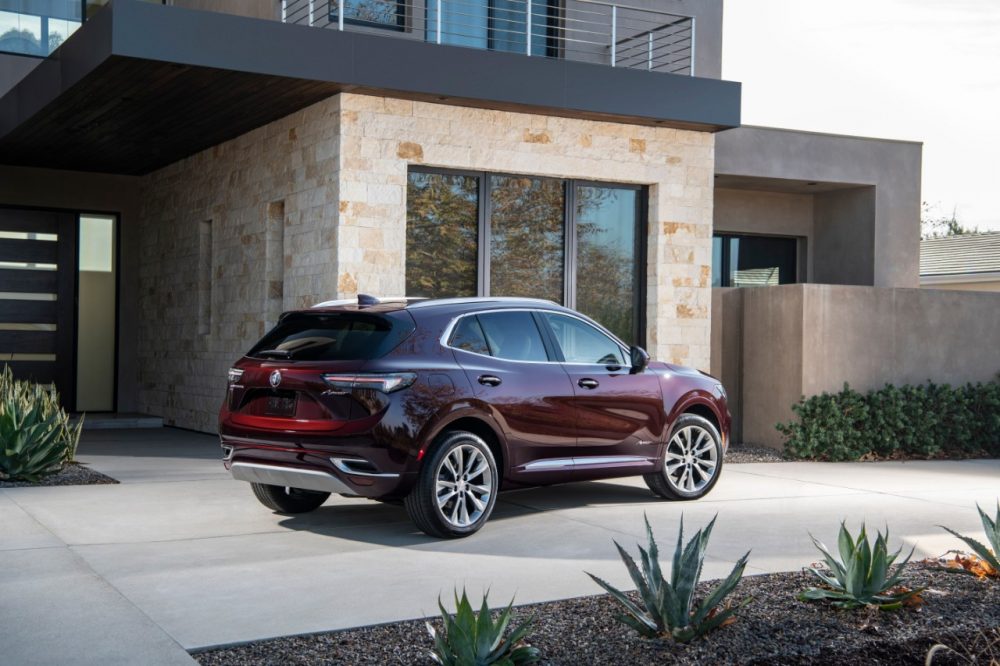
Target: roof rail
{"points": [[478, 299]]}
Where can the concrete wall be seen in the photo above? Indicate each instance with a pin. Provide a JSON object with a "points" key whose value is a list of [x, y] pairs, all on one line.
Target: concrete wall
{"points": [[769, 213], [806, 339], [883, 245], [339, 170], [98, 193]]}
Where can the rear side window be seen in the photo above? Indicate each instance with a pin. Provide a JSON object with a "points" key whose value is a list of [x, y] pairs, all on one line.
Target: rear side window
{"points": [[512, 336], [332, 337], [469, 336]]}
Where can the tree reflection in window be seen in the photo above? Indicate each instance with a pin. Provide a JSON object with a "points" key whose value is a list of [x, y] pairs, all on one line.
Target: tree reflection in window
{"points": [[526, 237], [441, 235]]}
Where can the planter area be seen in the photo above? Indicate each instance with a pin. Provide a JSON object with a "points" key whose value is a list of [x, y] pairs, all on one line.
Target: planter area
{"points": [[72, 474], [775, 628]]}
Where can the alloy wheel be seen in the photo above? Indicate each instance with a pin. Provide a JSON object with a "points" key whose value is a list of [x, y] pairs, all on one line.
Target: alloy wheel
{"points": [[464, 485], [691, 459]]}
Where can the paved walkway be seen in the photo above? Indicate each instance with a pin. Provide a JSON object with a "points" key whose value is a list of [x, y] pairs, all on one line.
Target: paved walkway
{"points": [[180, 557]]}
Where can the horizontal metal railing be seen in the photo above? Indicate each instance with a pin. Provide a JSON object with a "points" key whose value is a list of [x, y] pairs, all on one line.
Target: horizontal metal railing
{"points": [[582, 30]]}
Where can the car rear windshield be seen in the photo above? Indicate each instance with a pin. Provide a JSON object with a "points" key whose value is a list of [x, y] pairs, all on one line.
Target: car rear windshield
{"points": [[339, 336]]}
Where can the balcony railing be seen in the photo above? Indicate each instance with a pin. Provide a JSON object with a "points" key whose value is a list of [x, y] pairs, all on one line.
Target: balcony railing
{"points": [[581, 30]]}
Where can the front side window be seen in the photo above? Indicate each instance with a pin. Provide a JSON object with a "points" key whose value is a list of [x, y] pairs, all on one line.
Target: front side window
{"points": [[513, 335], [753, 261], [582, 343]]}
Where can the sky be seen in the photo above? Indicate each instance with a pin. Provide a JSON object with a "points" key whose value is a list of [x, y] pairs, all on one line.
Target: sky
{"points": [[922, 70]]}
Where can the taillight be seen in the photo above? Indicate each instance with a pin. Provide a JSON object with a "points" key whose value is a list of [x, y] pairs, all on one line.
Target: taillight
{"points": [[235, 374], [384, 382]]}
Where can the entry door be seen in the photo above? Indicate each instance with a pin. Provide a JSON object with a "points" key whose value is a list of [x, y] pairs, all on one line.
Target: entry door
{"points": [[37, 297]]}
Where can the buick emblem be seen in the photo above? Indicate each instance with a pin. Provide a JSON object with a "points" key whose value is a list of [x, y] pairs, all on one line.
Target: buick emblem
{"points": [[275, 378]]}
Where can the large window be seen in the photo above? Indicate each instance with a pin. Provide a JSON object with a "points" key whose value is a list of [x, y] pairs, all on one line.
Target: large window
{"points": [[753, 261], [572, 242], [37, 27], [500, 25], [374, 13]]}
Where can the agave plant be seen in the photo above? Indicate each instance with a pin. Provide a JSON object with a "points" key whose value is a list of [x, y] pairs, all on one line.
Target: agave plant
{"points": [[667, 608], [36, 437], [988, 554], [471, 639], [862, 576]]}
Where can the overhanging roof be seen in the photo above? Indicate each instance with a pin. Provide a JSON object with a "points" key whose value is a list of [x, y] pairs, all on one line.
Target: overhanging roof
{"points": [[142, 85]]}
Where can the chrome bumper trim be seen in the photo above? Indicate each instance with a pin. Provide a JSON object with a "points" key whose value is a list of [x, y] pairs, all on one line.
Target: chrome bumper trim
{"points": [[289, 477], [344, 465]]}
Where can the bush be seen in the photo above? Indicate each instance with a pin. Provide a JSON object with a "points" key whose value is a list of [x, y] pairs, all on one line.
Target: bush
{"points": [[36, 437], [926, 421]]}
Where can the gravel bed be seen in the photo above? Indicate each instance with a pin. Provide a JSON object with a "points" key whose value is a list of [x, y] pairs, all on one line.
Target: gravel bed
{"points": [[748, 453], [73, 474], [775, 628]]}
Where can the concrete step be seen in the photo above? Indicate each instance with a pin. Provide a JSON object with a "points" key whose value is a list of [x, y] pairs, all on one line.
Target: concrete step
{"points": [[116, 421]]}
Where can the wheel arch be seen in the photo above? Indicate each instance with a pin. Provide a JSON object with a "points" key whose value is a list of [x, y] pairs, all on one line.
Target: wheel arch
{"points": [[476, 423]]}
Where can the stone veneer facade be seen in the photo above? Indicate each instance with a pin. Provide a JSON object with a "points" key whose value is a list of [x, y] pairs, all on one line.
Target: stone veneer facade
{"points": [[333, 177]]}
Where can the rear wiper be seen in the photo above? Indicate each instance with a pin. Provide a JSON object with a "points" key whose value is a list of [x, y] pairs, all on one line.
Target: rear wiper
{"points": [[277, 353]]}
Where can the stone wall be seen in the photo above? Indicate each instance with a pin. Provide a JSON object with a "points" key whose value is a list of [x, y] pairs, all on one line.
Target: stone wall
{"points": [[339, 169]]}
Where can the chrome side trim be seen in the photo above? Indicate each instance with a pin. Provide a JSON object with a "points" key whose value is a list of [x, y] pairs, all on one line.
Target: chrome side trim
{"points": [[582, 461], [343, 464], [289, 477], [549, 463]]}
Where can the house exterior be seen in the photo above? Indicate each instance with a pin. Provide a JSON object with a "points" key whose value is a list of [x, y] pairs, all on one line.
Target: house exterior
{"points": [[173, 178], [967, 262]]}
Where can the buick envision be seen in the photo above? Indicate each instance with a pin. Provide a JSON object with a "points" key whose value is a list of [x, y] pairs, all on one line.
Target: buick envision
{"points": [[442, 403]]}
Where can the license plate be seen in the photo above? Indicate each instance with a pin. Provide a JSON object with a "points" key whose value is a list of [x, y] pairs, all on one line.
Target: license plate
{"points": [[279, 405]]}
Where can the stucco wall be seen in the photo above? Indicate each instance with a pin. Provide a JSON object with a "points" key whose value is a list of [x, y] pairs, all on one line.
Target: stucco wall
{"points": [[806, 339], [340, 169], [888, 233]]}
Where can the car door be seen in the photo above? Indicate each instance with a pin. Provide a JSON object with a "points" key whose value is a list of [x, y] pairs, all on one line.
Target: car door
{"points": [[620, 416], [505, 357]]}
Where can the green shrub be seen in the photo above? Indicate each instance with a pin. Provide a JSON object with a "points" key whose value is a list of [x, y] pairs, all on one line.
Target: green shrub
{"points": [[862, 576], [471, 639], [925, 421], [666, 607], [36, 437]]}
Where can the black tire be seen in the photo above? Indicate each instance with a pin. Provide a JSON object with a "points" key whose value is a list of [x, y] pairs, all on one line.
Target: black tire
{"points": [[422, 502], [288, 500], [663, 483]]}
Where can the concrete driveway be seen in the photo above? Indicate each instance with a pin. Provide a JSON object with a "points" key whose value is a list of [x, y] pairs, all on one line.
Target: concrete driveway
{"points": [[180, 556]]}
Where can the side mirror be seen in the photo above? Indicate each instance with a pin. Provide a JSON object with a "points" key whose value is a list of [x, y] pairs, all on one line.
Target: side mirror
{"points": [[639, 358]]}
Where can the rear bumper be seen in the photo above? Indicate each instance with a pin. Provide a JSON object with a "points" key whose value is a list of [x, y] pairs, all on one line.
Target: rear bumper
{"points": [[290, 477], [348, 470]]}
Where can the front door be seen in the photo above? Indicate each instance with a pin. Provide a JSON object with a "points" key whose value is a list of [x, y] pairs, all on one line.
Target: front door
{"points": [[620, 416], [38, 251]]}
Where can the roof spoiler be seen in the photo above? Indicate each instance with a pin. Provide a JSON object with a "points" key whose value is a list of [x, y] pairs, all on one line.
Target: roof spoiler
{"points": [[365, 300]]}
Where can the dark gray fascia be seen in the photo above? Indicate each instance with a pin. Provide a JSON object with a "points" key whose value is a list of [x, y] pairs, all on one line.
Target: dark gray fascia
{"points": [[178, 50]]}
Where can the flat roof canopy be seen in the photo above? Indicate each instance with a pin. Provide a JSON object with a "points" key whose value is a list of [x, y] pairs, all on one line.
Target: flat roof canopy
{"points": [[141, 85]]}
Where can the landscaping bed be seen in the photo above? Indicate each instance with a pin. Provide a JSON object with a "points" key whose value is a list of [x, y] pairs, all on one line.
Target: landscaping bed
{"points": [[72, 474], [775, 628], [748, 453]]}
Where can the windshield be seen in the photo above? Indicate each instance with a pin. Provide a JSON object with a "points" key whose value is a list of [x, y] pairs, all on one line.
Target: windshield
{"points": [[337, 336]]}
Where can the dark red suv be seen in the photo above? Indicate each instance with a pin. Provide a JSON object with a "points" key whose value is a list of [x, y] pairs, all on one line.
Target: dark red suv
{"points": [[442, 403]]}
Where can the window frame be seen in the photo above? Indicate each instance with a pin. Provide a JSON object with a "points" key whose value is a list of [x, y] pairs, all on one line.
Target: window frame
{"points": [[725, 281], [570, 244]]}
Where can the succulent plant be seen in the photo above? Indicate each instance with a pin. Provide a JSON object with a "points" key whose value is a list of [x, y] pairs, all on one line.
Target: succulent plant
{"points": [[475, 639], [666, 608], [989, 554], [862, 576], [36, 437]]}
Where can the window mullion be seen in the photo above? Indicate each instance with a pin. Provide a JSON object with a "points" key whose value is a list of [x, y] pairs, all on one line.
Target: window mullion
{"points": [[484, 234], [569, 244]]}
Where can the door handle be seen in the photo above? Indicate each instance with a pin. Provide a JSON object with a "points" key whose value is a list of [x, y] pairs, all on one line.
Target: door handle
{"points": [[490, 380], [588, 383]]}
